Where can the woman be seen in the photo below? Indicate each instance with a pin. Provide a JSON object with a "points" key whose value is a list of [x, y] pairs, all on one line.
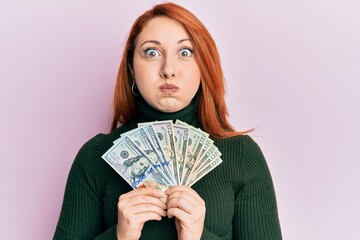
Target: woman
{"points": [[171, 70]]}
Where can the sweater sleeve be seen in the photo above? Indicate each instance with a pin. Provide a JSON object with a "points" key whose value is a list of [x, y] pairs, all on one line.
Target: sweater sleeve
{"points": [[256, 215], [81, 214]]}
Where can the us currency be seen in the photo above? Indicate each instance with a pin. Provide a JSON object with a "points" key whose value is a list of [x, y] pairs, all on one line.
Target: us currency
{"points": [[165, 133], [207, 145], [181, 135], [202, 172], [141, 139], [125, 158], [196, 141], [150, 132], [164, 154], [211, 156], [206, 158]]}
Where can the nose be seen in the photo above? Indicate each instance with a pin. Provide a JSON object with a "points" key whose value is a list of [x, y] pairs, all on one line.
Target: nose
{"points": [[168, 69]]}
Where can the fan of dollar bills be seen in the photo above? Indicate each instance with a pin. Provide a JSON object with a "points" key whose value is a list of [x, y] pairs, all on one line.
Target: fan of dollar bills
{"points": [[163, 153]]}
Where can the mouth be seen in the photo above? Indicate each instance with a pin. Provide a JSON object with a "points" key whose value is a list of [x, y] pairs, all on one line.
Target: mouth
{"points": [[168, 89]]}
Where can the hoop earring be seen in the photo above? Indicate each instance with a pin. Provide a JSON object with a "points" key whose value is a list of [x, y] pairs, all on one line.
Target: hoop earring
{"points": [[134, 89]]}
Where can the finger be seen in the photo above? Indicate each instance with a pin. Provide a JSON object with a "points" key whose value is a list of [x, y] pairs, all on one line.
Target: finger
{"points": [[146, 208], [143, 199], [181, 188], [191, 219], [144, 217], [184, 198], [179, 214], [143, 191], [183, 203], [182, 194]]}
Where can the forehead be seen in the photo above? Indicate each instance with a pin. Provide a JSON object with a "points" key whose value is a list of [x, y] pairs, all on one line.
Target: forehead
{"points": [[162, 29]]}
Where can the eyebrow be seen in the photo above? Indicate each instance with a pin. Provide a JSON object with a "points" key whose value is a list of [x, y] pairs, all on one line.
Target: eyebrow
{"points": [[158, 43]]}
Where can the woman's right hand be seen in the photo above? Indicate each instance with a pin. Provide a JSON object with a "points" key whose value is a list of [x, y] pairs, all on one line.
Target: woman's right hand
{"points": [[135, 208]]}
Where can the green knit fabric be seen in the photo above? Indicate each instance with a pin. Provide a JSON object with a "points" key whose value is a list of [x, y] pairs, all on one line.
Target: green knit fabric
{"points": [[239, 194]]}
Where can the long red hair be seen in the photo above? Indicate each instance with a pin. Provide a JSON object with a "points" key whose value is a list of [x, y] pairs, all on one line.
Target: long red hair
{"points": [[211, 94]]}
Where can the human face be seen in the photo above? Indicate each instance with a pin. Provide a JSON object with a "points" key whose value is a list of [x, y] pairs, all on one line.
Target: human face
{"points": [[164, 66], [139, 167]]}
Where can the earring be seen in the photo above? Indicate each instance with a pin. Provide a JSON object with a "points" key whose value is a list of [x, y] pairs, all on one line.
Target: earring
{"points": [[134, 89]]}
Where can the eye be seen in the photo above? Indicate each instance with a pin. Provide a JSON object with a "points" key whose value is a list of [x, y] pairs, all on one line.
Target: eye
{"points": [[186, 52], [151, 53]]}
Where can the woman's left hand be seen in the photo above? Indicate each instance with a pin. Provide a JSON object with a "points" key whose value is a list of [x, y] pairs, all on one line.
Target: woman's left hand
{"points": [[189, 210]]}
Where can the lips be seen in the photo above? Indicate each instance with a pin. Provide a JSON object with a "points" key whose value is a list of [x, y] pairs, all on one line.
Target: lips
{"points": [[168, 88]]}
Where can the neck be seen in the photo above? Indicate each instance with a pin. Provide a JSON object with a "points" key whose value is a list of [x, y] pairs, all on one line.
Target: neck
{"points": [[148, 113]]}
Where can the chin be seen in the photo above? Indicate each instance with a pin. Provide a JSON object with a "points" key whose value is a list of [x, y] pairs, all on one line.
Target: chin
{"points": [[170, 106], [169, 109]]}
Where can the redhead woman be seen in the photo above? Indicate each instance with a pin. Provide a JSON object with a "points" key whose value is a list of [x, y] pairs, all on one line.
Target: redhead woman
{"points": [[171, 70]]}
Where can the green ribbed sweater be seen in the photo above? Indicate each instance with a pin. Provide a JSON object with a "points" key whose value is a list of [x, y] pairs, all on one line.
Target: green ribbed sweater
{"points": [[239, 194]]}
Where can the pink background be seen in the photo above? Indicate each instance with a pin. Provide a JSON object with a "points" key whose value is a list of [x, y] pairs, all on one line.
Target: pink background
{"points": [[292, 70]]}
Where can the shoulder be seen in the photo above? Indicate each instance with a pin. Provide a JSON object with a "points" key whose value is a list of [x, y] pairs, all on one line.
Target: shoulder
{"points": [[89, 164], [242, 150], [251, 149], [91, 151], [102, 141], [243, 143], [253, 161]]}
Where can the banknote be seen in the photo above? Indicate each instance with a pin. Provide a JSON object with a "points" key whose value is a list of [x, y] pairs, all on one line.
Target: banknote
{"points": [[202, 172], [143, 141], [181, 135], [132, 164], [150, 131], [206, 157], [161, 154], [165, 133], [196, 141], [207, 145]]}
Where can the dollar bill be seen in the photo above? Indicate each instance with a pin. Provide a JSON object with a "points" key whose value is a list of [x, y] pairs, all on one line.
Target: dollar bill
{"points": [[165, 133], [206, 158], [128, 161], [193, 178], [150, 132], [161, 154], [181, 135], [207, 145], [211, 156], [196, 141], [142, 140]]}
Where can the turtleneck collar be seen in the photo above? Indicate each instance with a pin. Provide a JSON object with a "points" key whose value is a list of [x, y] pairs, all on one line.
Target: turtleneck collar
{"points": [[149, 114]]}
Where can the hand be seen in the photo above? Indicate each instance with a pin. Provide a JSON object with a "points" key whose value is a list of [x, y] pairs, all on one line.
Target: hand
{"points": [[135, 208], [189, 210]]}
